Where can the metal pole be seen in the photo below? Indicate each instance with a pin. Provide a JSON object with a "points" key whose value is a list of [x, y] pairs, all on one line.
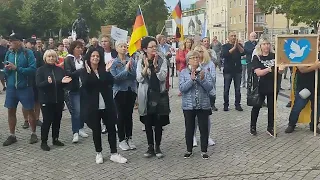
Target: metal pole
{"points": [[272, 25]]}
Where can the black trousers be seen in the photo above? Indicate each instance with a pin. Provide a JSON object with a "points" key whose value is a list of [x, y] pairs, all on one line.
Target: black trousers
{"points": [[190, 117], [94, 123], [153, 134], [52, 114], [125, 102], [256, 109]]}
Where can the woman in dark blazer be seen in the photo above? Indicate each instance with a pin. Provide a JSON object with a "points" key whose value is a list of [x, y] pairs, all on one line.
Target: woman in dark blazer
{"points": [[98, 101]]}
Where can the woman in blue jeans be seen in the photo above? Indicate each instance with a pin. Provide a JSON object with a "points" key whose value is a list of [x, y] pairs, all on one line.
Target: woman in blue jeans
{"points": [[73, 64]]}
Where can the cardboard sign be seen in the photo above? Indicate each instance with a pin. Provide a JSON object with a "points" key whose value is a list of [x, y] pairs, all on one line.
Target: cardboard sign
{"points": [[118, 34], [106, 30], [296, 50]]}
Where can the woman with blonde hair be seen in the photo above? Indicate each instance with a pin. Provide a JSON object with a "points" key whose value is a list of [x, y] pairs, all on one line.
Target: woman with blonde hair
{"points": [[181, 54], [207, 65], [50, 80], [263, 65]]}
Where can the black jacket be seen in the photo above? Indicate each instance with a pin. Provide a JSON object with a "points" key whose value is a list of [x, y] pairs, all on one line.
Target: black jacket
{"points": [[92, 86], [70, 68], [50, 93], [114, 53]]}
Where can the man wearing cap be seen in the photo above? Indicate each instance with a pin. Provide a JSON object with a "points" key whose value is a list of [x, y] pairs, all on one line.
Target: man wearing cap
{"points": [[20, 68]]}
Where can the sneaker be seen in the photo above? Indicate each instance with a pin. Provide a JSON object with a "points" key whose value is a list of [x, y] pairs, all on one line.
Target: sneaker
{"points": [[118, 158], [123, 145], [289, 104], [204, 155], [195, 143], [131, 145], [4, 89], [83, 134], [214, 108], [99, 158], [158, 152], [211, 142], [239, 108], [225, 108], [289, 129], [187, 155], [150, 152], [39, 123], [44, 146], [33, 139], [264, 104], [25, 125], [270, 132], [75, 138], [56, 142], [103, 129], [10, 140], [253, 130]]}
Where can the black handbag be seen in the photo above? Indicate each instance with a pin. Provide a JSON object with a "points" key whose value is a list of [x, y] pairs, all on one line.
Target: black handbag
{"points": [[253, 96]]}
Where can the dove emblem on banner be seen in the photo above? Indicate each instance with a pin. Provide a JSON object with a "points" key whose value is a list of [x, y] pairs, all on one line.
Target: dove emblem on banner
{"points": [[297, 50]]}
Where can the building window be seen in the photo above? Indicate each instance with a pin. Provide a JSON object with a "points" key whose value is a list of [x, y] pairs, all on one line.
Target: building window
{"points": [[230, 20], [230, 4], [235, 3], [240, 2], [240, 18], [222, 18]]}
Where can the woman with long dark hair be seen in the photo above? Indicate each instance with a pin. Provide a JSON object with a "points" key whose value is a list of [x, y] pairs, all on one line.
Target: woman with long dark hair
{"points": [[98, 101]]}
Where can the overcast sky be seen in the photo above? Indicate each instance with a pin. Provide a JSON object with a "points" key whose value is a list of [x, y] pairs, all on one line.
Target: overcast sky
{"points": [[173, 3]]}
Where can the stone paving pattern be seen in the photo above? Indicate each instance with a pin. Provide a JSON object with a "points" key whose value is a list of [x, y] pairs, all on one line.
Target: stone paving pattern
{"points": [[236, 155]]}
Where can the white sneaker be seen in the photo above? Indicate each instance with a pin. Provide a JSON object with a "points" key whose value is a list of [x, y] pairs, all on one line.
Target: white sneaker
{"points": [[211, 142], [83, 134], [99, 158], [103, 129], [124, 145], [195, 143], [75, 138], [131, 145], [118, 158], [143, 128]]}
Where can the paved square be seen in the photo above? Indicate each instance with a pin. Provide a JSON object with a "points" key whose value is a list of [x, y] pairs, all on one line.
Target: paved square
{"points": [[236, 155]]}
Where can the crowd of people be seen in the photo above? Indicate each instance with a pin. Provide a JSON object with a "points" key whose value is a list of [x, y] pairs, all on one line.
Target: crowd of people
{"points": [[101, 84]]}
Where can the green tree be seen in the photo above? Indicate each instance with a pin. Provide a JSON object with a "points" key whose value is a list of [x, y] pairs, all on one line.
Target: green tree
{"points": [[9, 16]]}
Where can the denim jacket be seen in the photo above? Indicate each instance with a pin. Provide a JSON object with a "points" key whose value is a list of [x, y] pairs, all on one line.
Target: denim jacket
{"points": [[123, 79], [195, 93]]}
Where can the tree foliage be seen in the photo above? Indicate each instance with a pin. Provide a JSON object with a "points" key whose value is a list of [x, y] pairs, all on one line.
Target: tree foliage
{"points": [[40, 17]]}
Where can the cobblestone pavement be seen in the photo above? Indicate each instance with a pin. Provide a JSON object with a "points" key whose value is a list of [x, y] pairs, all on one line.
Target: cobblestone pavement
{"points": [[236, 155]]}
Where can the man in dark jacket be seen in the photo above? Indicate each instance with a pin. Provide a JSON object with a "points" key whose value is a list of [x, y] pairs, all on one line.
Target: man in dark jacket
{"points": [[249, 46], [232, 52]]}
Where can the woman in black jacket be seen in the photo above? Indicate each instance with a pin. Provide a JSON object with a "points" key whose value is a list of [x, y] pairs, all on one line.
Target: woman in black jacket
{"points": [[97, 81], [50, 81], [73, 65]]}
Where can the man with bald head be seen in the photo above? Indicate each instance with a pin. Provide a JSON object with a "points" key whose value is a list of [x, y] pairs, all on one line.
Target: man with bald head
{"points": [[249, 46], [232, 52]]}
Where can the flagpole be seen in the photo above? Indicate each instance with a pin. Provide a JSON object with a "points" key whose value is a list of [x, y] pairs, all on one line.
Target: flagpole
{"points": [[143, 19]]}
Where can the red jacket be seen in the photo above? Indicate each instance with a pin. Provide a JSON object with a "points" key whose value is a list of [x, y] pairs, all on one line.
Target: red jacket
{"points": [[181, 59]]}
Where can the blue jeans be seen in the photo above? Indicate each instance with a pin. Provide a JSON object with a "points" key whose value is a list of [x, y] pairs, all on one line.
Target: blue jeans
{"points": [[227, 83], [298, 105], [75, 115]]}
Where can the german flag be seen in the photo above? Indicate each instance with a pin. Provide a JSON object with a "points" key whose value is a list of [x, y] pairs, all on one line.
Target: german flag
{"points": [[139, 31], [177, 16]]}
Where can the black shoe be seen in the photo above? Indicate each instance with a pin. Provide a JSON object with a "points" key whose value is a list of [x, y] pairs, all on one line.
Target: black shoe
{"points": [[281, 89], [44, 146], [289, 129], [187, 155], [270, 132], [289, 104], [214, 108], [225, 108], [56, 142], [264, 104], [25, 125], [10, 140], [253, 131], [33, 139], [317, 130], [158, 152], [204, 155], [4, 89], [239, 108], [150, 152], [39, 123]]}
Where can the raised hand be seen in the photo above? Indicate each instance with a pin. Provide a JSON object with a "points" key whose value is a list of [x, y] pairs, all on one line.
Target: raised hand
{"points": [[87, 67], [49, 79], [202, 75], [108, 65], [66, 79]]}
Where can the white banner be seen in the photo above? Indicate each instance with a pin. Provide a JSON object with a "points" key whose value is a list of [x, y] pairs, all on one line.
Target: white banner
{"points": [[118, 34]]}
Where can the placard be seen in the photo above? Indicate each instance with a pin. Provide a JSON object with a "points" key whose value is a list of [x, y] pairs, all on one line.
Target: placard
{"points": [[106, 30], [119, 34], [296, 50]]}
